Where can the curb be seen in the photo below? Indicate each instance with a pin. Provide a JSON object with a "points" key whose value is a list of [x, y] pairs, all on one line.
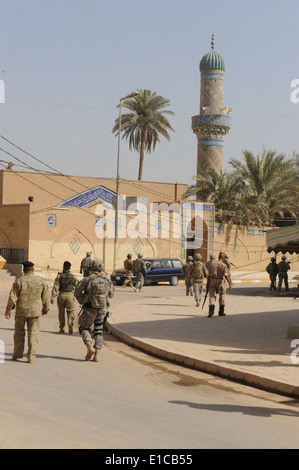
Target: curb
{"points": [[245, 378]]}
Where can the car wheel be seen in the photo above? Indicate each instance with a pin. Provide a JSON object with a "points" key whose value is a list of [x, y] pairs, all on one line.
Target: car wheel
{"points": [[174, 281]]}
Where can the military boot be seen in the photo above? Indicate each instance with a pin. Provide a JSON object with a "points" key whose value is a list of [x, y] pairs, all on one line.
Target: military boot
{"points": [[90, 351], [211, 310], [221, 311], [96, 356], [197, 303], [70, 328]]}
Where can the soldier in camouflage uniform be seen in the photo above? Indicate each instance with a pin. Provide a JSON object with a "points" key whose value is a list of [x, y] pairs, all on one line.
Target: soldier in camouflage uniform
{"points": [[139, 270], [187, 268], [92, 293], [128, 265], [211, 260], [217, 277], [64, 286], [29, 296], [85, 266], [199, 272], [283, 267]]}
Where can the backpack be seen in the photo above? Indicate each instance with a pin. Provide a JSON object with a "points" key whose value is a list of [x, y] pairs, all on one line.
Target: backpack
{"points": [[98, 288], [198, 270]]}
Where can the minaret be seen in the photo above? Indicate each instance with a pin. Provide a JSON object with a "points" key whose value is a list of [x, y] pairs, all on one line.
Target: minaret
{"points": [[213, 122]]}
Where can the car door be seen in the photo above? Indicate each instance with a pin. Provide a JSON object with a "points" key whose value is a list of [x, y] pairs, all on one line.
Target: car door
{"points": [[177, 268], [167, 269], [155, 271]]}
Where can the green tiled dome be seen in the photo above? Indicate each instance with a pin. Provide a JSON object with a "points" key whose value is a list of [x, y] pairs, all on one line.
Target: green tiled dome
{"points": [[212, 61]]}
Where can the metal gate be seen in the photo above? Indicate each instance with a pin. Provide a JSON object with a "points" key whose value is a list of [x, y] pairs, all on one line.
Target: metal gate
{"points": [[13, 255]]}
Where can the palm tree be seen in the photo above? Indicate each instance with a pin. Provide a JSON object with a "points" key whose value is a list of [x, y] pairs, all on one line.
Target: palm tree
{"points": [[224, 190], [144, 123], [270, 187]]}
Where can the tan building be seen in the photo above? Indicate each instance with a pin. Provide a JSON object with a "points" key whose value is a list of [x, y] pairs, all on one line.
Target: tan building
{"points": [[52, 218]]}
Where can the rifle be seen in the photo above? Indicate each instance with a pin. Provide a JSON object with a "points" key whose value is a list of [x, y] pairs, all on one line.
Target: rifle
{"points": [[108, 314], [207, 291]]}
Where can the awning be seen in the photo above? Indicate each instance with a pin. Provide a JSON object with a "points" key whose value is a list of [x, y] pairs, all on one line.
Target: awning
{"points": [[284, 240]]}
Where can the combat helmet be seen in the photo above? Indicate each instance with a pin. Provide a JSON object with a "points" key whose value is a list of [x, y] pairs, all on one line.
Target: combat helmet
{"points": [[197, 257], [97, 265], [190, 258]]}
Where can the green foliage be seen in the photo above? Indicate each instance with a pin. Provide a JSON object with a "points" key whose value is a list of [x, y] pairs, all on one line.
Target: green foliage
{"points": [[145, 123], [260, 190]]}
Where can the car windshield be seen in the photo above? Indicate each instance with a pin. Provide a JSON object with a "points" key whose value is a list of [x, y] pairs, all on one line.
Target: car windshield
{"points": [[148, 263]]}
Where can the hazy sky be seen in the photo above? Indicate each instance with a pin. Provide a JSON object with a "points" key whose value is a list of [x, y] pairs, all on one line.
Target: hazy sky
{"points": [[66, 64]]}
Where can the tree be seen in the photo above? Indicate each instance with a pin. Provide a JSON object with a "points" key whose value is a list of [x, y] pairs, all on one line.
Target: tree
{"points": [[144, 124], [270, 188], [224, 190]]}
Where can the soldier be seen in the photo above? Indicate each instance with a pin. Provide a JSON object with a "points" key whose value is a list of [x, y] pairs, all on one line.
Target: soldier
{"points": [[92, 293], [64, 286], [199, 272], [187, 270], [272, 270], [283, 267], [85, 266], [29, 295], [139, 270], [211, 260], [217, 277], [128, 265]]}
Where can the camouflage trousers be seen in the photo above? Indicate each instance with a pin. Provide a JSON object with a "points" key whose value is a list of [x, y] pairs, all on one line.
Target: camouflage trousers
{"points": [[197, 288], [92, 317], [139, 281], [217, 286], [128, 279], [32, 324], [189, 285], [283, 277], [66, 304]]}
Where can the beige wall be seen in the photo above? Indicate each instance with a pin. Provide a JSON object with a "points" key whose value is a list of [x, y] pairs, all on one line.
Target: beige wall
{"points": [[53, 189], [74, 234], [14, 226], [248, 253]]}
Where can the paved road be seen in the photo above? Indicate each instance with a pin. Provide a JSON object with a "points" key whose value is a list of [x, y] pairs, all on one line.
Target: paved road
{"points": [[129, 400], [250, 344]]}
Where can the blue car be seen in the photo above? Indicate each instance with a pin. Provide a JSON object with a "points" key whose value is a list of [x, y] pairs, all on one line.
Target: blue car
{"points": [[157, 270]]}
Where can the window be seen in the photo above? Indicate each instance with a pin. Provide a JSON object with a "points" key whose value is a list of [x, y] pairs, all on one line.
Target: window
{"points": [[177, 263], [166, 263]]}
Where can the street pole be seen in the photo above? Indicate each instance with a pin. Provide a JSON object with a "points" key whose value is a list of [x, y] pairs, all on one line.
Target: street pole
{"points": [[135, 93]]}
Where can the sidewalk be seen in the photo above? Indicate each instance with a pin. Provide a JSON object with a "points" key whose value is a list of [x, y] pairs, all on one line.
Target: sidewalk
{"points": [[249, 345]]}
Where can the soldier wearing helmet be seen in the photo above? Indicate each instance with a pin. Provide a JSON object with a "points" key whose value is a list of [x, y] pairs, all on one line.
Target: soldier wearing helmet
{"points": [[139, 269], [85, 265], [128, 265], [63, 288], [187, 270], [283, 268], [272, 270], [217, 278], [93, 294], [211, 260], [199, 272]]}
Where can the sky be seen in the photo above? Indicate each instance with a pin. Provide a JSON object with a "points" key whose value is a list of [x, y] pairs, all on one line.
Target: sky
{"points": [[65, 65]]}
